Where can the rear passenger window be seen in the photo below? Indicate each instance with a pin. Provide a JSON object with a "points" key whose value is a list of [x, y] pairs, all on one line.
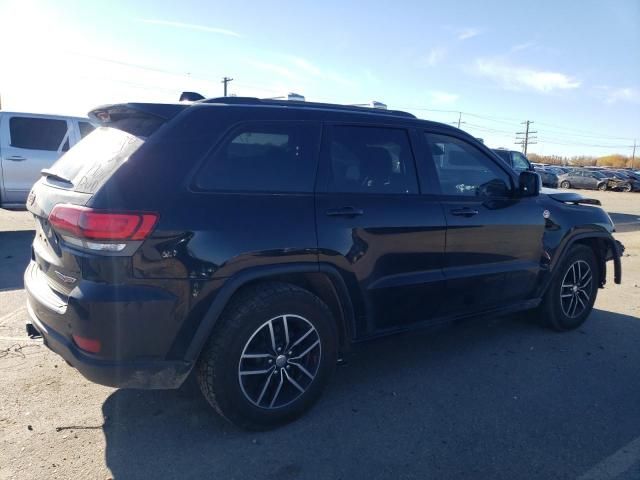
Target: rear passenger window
{"points": [[276, 157], [370, 160], [37, 133]]}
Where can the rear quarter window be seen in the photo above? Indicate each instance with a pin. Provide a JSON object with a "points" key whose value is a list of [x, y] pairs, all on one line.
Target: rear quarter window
{"points": [[263, 157]]}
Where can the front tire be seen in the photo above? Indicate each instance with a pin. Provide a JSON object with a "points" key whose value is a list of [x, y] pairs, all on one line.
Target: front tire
{"points": [[572, 293], [270, 357], [602, 187]]}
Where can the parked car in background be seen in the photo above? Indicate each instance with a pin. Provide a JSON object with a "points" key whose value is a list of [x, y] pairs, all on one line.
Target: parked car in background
{"points": [[583, 178], [30, 142], [514, 159], [631, 174], [549, 179], [267, 236], [556, 169], [621, 181]]}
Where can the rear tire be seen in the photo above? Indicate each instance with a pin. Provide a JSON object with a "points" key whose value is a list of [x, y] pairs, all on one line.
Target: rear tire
{"points": [[572, 293], [602, 187], [565, 184], [268, 328]]}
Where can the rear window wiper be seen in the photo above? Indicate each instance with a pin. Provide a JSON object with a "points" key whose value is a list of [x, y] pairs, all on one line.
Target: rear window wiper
{"points": [[45, 172]]}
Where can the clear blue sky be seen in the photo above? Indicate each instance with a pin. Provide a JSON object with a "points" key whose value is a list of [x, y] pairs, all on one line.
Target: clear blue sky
{"points": [[572, 67]]}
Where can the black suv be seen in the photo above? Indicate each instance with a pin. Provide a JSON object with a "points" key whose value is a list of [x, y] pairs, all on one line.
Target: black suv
{"points": [[252, 241]]}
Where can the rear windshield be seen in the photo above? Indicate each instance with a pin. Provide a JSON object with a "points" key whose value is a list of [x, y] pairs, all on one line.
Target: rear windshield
{"points": [[96, 157]]}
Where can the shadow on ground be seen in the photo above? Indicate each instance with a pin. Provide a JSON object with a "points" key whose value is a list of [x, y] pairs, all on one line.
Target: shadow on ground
{"points": [[15, 252], [489, 399]]}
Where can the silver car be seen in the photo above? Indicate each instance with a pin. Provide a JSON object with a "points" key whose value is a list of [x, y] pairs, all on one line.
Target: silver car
{"points": [[30, 142]]}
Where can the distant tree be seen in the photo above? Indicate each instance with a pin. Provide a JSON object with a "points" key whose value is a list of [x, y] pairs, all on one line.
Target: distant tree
{"points": [[616, 161], [547, 159], [583, 161], [613, 160]]}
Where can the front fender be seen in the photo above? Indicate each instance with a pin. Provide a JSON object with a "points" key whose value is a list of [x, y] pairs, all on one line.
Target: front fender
{"points": [[613, 252]]}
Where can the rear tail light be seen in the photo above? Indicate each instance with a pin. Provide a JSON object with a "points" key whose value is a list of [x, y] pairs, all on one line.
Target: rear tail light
{"points": [[90, 345], [100, 230]]}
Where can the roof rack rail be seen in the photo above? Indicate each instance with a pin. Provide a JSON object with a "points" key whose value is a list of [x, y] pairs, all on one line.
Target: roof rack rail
{"points": [[296, 103]]}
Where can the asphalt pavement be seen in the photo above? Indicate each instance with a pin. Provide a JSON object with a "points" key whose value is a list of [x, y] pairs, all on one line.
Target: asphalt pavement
{"points": [[495, 398]]}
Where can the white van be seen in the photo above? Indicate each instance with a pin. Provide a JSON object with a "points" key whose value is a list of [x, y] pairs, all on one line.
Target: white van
{"points": [[30, 142]]}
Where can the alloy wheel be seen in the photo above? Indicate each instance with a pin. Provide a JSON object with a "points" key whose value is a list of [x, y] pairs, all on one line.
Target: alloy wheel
{"points": [[280, 361], [576, 289]]}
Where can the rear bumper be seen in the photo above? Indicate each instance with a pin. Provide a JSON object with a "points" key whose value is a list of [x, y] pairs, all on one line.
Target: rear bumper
{"points": [[56, 323], [148, 375]]}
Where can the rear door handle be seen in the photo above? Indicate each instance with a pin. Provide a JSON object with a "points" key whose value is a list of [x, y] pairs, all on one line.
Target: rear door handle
{"points": [[464, 212], [16, 158], [345, 212]]}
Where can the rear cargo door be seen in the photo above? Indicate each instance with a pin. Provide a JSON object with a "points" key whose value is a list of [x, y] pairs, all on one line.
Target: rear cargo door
{"points": [[71, 182]]}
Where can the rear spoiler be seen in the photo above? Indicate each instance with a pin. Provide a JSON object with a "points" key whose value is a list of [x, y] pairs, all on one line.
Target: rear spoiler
{"points": [[190, 97], [139, 119], [110, 113]]}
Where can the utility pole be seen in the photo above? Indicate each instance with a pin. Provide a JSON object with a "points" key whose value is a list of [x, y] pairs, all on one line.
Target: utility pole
{"points": [[633, 155], [527, 139], [226, 80], [459, 122]]}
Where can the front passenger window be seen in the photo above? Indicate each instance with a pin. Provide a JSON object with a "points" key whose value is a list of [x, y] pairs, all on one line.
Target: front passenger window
{"points": [[464, 170]]}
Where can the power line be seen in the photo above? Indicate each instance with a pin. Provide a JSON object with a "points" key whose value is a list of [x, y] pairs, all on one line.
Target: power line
{"points": [[489, 129], [560, 142], [581, 133]]}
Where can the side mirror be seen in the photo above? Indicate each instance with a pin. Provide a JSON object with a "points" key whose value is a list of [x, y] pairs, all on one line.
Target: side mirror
{"points": [[529, 184]]}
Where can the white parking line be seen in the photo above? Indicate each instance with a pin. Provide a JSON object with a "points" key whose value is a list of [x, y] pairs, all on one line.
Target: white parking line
{"points": [[20, 339], [616, 464], [11, 314]]}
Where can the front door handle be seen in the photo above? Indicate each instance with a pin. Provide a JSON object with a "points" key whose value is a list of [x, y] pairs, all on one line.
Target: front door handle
{"points": [[345, 212], [464, 212], [16, 158]]}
